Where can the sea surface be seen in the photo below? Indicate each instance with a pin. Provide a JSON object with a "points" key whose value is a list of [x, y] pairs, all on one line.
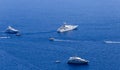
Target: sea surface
{"points": [[38, 20]]}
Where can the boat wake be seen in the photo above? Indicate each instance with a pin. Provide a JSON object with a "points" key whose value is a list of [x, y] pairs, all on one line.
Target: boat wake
{"points": [[62, 40], [4, 37], [112, 42], [34, 33]]}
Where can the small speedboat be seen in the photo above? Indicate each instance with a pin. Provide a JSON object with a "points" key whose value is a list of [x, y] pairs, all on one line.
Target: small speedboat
{"points": [[11, 30], [77, 60], [57, 61], [51, 39], [66, 27]]}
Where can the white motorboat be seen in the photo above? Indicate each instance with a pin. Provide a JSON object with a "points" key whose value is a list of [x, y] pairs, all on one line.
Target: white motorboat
{"points": [[66, 27], [11, 30], [77, 60], [51, 39], [57, 61]]}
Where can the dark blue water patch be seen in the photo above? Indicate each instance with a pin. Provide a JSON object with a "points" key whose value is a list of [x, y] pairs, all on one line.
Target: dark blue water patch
{"points": [[70, 49]]}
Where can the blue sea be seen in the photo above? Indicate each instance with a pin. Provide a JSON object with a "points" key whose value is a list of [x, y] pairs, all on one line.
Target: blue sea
{"points": [[37, 20]]}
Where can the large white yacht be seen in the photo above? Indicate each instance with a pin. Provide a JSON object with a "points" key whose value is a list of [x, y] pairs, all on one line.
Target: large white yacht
{"points": [[11, 30], [66, 27], [77, 60]]}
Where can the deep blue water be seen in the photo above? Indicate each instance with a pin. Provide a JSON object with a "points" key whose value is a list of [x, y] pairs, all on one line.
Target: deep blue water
{"points": [[98, 20]]}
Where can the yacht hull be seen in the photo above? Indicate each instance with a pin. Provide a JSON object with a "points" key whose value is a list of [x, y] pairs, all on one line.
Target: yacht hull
{"points": [[77, 62]]}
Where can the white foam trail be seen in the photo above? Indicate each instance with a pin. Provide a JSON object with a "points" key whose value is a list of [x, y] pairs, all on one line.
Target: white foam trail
{"points": [[65, 40], [4, 37], [112, 42]]}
